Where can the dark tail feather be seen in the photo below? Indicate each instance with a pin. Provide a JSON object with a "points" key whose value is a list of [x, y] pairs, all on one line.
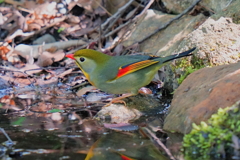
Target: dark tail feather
{"points": [[183, 54]]}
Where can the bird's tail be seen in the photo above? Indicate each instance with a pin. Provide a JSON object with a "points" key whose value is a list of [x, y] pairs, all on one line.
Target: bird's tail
{"points": [[175, 56]]}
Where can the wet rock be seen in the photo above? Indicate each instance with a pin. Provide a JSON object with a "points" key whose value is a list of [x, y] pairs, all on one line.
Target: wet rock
{"points": [[118, 113], [201, 94], [136, 107]]}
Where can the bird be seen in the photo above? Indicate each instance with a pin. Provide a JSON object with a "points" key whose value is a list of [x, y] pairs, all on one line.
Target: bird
{"points": [[124, 74]]}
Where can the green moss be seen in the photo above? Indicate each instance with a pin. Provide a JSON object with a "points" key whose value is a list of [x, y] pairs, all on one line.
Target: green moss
{"points": [[188, 71], [188, 67], [211, 139]]}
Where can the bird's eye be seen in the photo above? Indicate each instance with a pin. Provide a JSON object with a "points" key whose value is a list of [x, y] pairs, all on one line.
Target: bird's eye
{"points": [[82, 59]]}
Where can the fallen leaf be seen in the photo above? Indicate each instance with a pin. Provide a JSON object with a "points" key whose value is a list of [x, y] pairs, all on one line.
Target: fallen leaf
{"points": [[45, 83], [84, 90], [29, 69], [3, 51], [47, 58], [65, 73]]}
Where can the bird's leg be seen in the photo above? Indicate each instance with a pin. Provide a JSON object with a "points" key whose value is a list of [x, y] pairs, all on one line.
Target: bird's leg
{"points": [[119, 99]]}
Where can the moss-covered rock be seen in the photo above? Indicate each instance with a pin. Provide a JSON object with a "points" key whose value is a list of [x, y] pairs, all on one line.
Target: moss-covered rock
{"points": [[214, 138]]}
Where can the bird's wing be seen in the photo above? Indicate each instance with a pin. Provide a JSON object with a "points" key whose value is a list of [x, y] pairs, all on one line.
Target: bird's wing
{"points": [[126, 69]]}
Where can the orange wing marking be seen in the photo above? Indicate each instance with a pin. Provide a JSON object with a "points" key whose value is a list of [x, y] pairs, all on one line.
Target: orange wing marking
{"points": [[134, 67]]}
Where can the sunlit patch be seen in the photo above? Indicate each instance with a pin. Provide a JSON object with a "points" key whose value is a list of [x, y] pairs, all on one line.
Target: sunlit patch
{"points": [[51, 129], [26, 130]]}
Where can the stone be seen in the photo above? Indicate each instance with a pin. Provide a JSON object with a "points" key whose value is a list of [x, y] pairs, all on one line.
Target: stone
{"points": [[211, 5], [166, 41], [217, 41], [201, 94]]}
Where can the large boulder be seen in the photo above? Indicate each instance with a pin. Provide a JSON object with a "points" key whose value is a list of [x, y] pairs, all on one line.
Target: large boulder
{"points": [[201, 94]]}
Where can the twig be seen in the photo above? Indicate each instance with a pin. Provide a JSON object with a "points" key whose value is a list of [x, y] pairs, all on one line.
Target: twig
{"points": [[168, 23], [117, 29], [100, 5], [25, 10], [6, 135], [100, 35], [145, 9], [111, 20], [160, 144], [80, 47], [125, 24], [228, 3]]}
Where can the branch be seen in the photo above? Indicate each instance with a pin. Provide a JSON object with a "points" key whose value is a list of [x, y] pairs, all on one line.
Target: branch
{"points": [[173, 19], [111, 20]]}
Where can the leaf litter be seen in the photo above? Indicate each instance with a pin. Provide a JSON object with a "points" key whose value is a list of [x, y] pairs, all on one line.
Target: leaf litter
{"points": [[39, 84]]}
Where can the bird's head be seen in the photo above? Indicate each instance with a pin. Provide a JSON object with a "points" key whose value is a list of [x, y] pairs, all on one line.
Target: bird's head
{"points": [[88, 59]]}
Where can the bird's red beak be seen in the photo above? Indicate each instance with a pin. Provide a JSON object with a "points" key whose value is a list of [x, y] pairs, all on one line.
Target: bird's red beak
{"points": [[70, 56]]}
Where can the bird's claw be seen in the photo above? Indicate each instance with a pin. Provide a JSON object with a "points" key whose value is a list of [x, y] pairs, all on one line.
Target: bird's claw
{"points": [[116, 101]]}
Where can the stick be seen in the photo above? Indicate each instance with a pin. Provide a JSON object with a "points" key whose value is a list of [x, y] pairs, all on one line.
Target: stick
{"points": [[168, 23], [160, 144], [117, 29], [145, 9], [111, 20]]}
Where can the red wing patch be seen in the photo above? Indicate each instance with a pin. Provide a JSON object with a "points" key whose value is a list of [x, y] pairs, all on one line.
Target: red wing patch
{"points": [[134, 67]]}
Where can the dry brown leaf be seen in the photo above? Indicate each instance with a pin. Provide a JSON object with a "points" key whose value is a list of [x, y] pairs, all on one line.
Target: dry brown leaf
{"points": [[52, 49], [89, 4], [21, 82], [6, 99], [16, 21], [71, 19], [29, 69], [3, 51], [18, 32], [47, 8], [45, 83], [34, 27], [84, 90], [75, 82], [30, 4], [47, 58], [65, 73]]}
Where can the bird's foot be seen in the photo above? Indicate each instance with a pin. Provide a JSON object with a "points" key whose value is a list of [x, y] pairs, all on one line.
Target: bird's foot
{"points": [[115, 101], [119, 100]]}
